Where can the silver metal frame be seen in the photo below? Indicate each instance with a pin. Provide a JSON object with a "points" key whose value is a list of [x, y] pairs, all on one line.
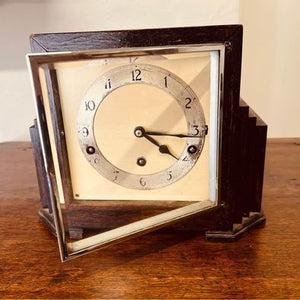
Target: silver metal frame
{"points": [[74, 249]]}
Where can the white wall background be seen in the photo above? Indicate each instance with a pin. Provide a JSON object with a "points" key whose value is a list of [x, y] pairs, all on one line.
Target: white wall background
{"points": [[271, 63], [270, 59]]}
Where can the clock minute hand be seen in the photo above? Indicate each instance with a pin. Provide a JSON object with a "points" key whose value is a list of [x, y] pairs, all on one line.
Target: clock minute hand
{"points": [[179, 135]]}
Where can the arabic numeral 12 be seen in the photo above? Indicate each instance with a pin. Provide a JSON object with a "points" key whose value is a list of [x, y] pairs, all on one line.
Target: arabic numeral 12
{"points": [[136, 75]]}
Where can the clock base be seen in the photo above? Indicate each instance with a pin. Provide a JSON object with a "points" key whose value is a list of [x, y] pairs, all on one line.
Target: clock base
{"points": [[254, 219]]}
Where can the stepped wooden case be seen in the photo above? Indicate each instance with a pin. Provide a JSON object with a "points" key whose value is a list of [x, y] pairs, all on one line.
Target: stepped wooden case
{"points": [[227, 159]]}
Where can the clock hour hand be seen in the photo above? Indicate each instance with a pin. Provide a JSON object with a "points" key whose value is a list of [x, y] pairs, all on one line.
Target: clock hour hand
{"points": [[165, 150], [140, 132]]}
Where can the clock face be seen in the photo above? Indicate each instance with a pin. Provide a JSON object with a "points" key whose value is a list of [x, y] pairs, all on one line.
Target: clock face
{"points": [[134, 96], [138, 127]]}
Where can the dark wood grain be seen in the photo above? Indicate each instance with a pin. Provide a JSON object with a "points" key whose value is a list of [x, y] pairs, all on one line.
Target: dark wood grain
{"points": [[59, 133], [91, 40], [264, 263]]}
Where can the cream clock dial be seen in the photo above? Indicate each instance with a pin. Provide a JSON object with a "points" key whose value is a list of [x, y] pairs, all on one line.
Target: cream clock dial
{"points": [[158, 156]]}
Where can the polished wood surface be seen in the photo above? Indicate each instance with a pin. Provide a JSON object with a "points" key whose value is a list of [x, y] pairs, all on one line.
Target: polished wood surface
{"points": [[264, 263]]}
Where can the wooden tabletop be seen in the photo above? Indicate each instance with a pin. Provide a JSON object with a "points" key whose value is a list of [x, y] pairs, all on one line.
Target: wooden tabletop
{"points": [[264, 263]]}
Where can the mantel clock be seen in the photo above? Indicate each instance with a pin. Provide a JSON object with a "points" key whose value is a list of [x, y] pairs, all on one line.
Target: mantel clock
{"points": [[141, 129]]}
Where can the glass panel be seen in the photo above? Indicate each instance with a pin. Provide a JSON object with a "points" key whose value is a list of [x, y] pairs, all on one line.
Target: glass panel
{"points": [[134, 139]]}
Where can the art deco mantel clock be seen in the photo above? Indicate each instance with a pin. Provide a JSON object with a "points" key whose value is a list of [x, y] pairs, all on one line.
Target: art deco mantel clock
{"points": [[141, 129]]}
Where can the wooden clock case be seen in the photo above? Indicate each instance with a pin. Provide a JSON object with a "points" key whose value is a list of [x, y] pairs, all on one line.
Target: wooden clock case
{"points": [[242, 150]]}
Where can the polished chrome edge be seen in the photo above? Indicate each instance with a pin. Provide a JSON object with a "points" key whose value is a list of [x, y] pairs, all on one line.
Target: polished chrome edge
{"points": [[32, 66], [122, 233], [50, 57]]}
